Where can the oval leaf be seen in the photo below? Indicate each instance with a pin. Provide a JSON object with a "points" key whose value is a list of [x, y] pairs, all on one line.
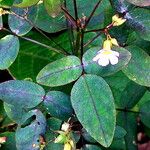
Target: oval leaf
{"points": [[20, 25], [138, 68], [93, 68], [145, 113], [94, 106], [9, 48], [29, 137], [6, 3], [30, 55], [140, 2], [60, 72], [53, 7], [13, 113], [91, 147], [50, 24], [23, 94], [139, 20], [58, 105], [26, 3]]}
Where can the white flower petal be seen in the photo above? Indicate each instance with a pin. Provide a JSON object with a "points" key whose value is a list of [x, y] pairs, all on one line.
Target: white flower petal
{"points": [[100, 51], [103, 61], [113, 60], [115, 53], [96, 57]]}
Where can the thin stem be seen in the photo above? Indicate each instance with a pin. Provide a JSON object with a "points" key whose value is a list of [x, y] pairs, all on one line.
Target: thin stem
{"points": [[36, 42], [78, 40], [76, 13], [82, 43], [69, 17], [70, 32], [32, 24], [75, 10], [92, 13], [89, 42], [96, 30]]}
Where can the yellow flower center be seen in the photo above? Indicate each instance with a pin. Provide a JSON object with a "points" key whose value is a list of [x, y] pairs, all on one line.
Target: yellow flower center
{"points": [[106, 52]]}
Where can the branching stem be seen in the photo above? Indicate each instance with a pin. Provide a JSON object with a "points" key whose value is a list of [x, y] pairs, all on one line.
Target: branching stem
{"points": [[36, 42]]}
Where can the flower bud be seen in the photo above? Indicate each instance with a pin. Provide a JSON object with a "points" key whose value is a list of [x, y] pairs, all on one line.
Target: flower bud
{"points": [[72, 143], [62, 138], [65, 126], [67, 146], [114, 42], [1, 11], [117, 21]]}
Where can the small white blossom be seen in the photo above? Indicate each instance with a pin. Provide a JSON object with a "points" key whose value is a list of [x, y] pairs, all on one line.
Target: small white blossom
{"points": [[104, 57], [65, 126]]}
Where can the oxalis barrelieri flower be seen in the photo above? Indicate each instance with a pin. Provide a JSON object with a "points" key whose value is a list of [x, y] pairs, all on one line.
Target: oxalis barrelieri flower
{"points": [[106, 55]]}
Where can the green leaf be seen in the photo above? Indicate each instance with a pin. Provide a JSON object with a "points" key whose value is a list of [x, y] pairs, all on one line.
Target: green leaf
{"points": [[1, 22], [60, 72], [117, 144], [91, 147], [58, 105], [6, 3], [10, 143], [93, 103], [145, 113], [139, 20], [140, 2], [53, 124], [116, 86], [15, 114], [144, 99], [23, 94], [87, 137], [128, 121], [138, 68], [26, 3], [9, 47], [92, 67], [48, 23], [119, 133], [31, 54], [20, 25], [131, 95], [28, 137], [97, 20], [53, 7]]}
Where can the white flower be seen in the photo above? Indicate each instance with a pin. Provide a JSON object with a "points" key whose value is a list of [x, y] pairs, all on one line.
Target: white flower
{"points": [[104, 57], [65, 126]]}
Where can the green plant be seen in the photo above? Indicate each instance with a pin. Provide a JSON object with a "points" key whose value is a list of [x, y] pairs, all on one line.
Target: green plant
{"points": [[81, 73]]}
